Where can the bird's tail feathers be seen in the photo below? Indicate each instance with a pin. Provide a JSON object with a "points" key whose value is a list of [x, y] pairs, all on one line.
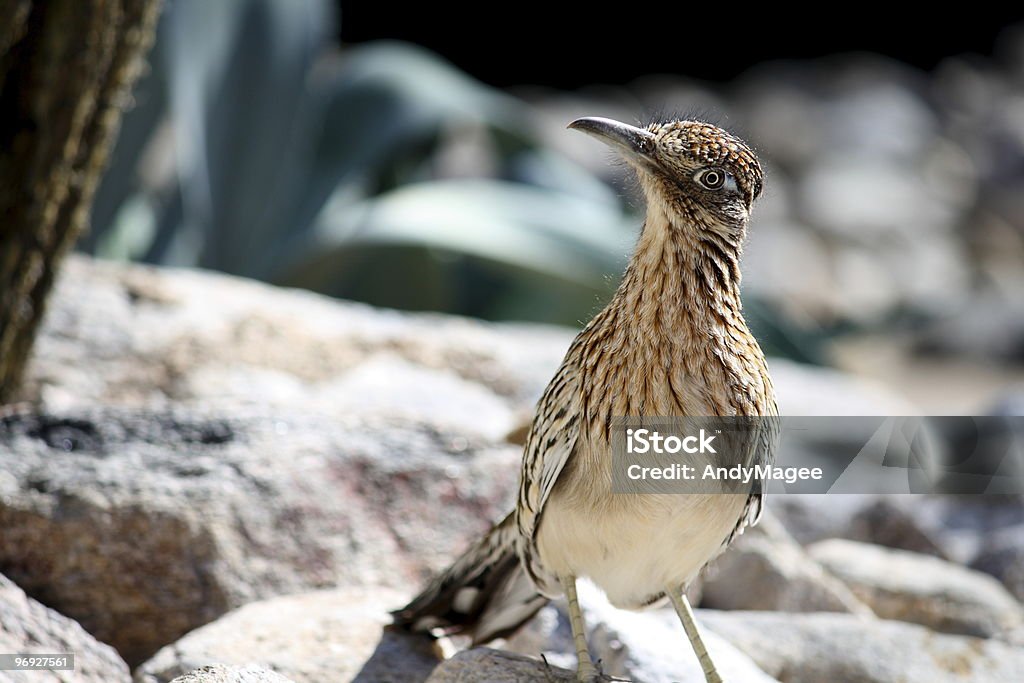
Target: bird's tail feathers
{"points": [[485, 594]]}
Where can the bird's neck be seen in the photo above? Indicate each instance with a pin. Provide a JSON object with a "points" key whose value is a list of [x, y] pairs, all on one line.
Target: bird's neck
{"points": [[682, 279], [673, 337]]}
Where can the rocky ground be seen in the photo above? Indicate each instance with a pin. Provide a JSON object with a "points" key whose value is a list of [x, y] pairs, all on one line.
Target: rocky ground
{"points": [[207, 479]]}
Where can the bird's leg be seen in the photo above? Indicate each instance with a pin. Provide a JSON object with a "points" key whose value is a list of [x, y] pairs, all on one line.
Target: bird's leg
{"points": [[586, 671], [682, 606]]}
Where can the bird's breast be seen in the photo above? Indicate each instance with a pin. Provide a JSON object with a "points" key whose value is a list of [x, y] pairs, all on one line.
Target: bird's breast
{"points": [[634, 547]]}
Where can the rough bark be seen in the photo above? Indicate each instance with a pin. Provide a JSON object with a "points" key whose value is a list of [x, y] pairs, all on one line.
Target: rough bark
{"points": [[66, 71]]}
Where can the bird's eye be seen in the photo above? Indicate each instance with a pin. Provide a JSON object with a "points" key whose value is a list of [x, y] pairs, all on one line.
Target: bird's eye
{"points": [[711, 178]]}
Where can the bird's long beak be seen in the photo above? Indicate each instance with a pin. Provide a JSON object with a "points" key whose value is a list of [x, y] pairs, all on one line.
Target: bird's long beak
{"points": [[635, 144]]}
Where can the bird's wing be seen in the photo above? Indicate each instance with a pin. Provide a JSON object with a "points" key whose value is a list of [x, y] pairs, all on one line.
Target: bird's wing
{"points": [[549, 446], [763, 453]]}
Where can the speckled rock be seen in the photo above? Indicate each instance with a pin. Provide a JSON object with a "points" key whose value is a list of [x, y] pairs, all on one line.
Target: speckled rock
{"points": [[231, 674], [160, 521], [496, 666]]}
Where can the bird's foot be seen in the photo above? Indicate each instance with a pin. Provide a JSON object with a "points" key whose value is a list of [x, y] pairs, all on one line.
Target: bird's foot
{"points": [[597, 675], [549, 674], [589, 674]]}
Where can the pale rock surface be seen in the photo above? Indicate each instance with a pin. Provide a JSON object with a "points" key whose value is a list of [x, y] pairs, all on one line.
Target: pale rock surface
{"points": [[832, 647], [647, 646], [921, 589], [335, 635]]}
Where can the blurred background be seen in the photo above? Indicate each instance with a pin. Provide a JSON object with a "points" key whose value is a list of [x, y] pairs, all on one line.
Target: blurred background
{"points": [[411, 159]]}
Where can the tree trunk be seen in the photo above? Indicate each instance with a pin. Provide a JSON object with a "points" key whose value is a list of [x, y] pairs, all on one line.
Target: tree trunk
{"points": [[66, 71]]}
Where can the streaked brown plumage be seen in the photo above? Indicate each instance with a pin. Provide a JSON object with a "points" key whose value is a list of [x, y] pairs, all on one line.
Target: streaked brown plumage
{"points": [[672, 341]]}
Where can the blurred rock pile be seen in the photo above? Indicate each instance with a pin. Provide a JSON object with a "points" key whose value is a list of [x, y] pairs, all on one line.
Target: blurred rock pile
{"points": [[892, 194], [208, 472]]}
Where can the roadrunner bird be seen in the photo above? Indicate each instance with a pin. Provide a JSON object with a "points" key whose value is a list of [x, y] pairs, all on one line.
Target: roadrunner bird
{"points": [[672, 341]]}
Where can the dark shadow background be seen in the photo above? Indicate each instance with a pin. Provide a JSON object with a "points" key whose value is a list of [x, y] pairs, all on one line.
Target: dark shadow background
{"points": [[568, 45]]}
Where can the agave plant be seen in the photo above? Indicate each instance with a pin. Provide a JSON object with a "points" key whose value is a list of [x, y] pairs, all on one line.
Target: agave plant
{"points": [[255, 149]]}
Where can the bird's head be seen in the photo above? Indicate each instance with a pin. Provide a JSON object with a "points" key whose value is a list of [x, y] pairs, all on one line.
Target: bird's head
{"points": [[700, 176]]}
